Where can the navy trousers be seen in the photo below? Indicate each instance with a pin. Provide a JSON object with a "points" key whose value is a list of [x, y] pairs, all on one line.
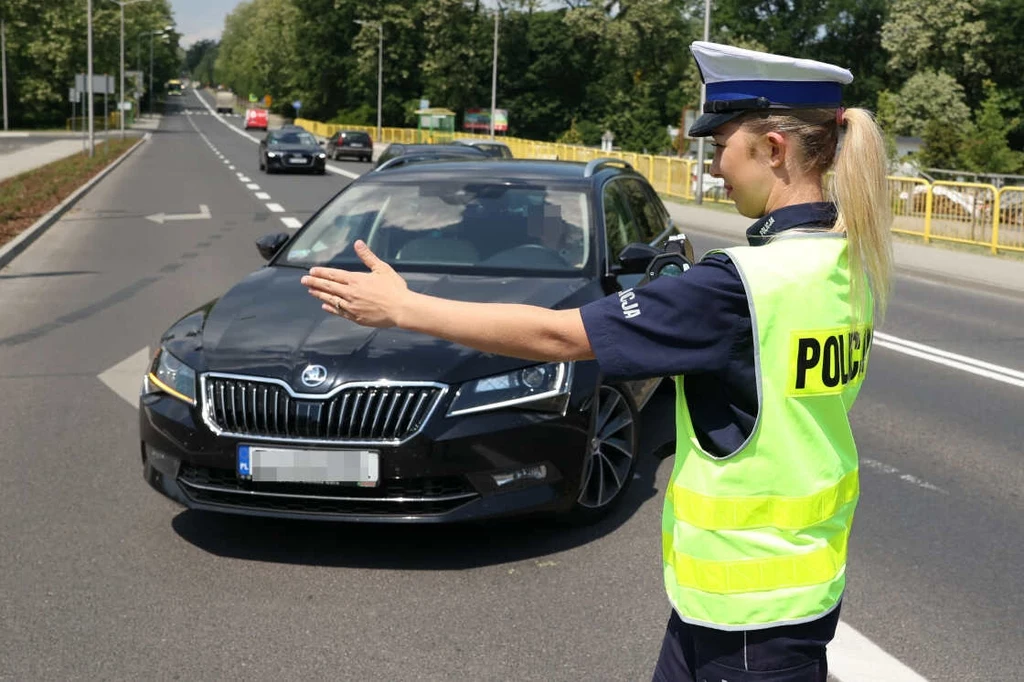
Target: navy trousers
{"points": [[788, 653]]}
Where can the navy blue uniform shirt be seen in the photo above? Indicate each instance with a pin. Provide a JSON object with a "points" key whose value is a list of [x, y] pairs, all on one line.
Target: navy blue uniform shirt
{"points": [[697, 325]]}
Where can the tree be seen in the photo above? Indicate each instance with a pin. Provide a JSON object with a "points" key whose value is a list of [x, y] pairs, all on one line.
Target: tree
{"points": [[926, 96], [941, 145], [938, 35], [985, 149]]}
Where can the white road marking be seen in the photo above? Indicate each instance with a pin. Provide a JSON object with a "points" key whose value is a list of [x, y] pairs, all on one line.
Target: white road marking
{"points": [[293, 223], [852, 657], [890, 470], [276, 208], [341, 171], [245, 179], [125, 377], [252, 185], [988, 370], [161, 218], [231, 168], [262, 195]]}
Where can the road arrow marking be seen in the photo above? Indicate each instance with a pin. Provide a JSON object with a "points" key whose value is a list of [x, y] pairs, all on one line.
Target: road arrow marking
{"points": [[125, 377], [161, 218]]}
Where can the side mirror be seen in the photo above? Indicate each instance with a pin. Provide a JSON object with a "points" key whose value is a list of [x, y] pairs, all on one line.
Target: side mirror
{"points": [[321, 143], [269, 245], [634, 257]]}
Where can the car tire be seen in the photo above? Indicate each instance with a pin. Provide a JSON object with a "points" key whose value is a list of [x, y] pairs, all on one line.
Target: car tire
{"points": [[611, 456]]}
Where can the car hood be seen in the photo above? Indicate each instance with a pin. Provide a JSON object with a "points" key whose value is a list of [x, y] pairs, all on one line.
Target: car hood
{"points": [[268, 325], [294, 148]]}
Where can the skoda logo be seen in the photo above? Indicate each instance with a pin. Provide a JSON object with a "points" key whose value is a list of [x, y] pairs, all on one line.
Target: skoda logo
{"points": [[314, 375]]}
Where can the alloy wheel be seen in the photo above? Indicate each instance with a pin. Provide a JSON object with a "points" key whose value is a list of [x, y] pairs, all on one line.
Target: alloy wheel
{"points": [[610, 463]]}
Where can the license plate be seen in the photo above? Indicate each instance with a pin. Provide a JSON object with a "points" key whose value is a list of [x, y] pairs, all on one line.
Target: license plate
{"points": [[282, 465], [297, 160], [356, 144]]}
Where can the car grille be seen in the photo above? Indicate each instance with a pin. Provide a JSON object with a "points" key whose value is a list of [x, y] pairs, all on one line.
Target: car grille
{"points": [[396, 497], [361, 413]]}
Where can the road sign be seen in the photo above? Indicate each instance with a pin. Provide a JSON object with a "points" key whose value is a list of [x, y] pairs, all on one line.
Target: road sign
{"points": [[100, 84], [297, 104]]}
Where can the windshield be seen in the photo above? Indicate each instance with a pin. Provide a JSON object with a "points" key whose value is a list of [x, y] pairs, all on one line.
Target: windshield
{"points": [[293, 138], [478, 227]]}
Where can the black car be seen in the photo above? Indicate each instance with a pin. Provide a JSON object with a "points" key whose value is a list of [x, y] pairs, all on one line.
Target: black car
{"points": [[420, 152], [349, 144], [261, 403], [291, 149], [493, 148]]}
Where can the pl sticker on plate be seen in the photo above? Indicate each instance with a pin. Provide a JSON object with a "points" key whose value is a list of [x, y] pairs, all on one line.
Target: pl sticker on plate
{"points": [[244, 462]]}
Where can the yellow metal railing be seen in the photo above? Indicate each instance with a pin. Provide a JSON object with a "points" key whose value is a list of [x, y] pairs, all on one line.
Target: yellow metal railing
{"points": [[77, 122], [962, 212]]}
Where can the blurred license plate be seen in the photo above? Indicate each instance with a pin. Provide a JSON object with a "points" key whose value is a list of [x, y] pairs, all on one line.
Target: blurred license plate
{"points": [[281, 465], [296, 159], [356, 144]]}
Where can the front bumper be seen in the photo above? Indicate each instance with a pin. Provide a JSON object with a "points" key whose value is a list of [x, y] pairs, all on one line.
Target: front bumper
{"points": [[280, 163], [446, 473]]}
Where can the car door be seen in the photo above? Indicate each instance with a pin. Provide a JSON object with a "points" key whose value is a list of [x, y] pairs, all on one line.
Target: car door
{"points": [[624, 225]]}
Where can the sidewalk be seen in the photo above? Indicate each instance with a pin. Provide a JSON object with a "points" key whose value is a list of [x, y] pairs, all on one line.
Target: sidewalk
{"points": [[30, 158], [932, 262]]}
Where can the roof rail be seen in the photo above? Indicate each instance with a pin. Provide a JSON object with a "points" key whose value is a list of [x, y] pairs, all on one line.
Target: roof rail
{"points": [[426, 158], [595, 165]]}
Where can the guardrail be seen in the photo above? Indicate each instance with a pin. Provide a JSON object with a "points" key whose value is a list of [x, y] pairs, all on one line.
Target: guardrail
{"points": [[78, 122], [961, 212]]}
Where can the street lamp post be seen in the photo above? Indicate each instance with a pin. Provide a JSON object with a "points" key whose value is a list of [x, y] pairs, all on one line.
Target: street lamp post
{"points": [[88, 86], [151, 35], [494, 70], [380, 69], [699, 190], [120, 106], [3, 65]]}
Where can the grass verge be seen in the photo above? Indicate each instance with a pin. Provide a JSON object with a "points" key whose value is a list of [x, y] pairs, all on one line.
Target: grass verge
{"points": [[26, 198]]}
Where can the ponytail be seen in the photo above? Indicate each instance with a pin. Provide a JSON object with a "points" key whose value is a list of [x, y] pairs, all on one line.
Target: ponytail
{"points": [[860, 189]]}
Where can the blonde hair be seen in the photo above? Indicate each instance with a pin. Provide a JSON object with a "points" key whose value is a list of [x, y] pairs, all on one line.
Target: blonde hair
{"points": [[858, 187]]}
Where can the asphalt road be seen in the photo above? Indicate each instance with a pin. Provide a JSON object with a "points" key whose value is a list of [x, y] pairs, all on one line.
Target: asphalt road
{"points": [[103, 579]]}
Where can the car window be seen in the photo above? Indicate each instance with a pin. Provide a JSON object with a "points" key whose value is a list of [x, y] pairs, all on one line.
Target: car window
{"points": [[361, 138], [487, 227], [619, 225], [646, 209], [294, 138]]}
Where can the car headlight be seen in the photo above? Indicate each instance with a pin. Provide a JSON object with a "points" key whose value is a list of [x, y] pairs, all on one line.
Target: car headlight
{"points": [[171, 376], [539, 387], [321, 155], [272, 155]]}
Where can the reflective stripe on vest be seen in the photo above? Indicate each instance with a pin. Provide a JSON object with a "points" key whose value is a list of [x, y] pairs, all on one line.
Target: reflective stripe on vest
{"points": [[759, 538]]}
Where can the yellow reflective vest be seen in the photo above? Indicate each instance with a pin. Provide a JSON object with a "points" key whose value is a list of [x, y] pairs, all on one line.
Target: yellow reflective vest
{"points": [[758, 538]]}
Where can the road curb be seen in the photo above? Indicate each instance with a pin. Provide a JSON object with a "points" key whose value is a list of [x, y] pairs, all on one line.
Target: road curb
{"points": [[10, 250]]}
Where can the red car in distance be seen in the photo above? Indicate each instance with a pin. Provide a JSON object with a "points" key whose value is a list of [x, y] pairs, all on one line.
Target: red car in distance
{"points": [[256, 118]]}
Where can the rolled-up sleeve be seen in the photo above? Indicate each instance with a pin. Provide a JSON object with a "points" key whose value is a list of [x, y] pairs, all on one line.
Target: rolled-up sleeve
{"points": [[671, 326]]}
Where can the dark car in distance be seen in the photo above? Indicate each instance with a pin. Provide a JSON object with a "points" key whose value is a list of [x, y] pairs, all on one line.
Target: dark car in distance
{"points": [[260, 403], [492, 148], [291, 149], [422, 152], [349, 144]]}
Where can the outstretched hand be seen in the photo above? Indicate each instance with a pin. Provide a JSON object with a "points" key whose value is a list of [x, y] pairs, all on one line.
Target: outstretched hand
{"points": [[373, 299]]}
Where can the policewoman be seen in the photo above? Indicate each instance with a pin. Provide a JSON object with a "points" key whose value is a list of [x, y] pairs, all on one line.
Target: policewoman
{"points": [[769, 345]]}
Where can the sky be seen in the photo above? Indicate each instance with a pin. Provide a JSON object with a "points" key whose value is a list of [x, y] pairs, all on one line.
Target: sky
{"points": [[201, 19]]}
